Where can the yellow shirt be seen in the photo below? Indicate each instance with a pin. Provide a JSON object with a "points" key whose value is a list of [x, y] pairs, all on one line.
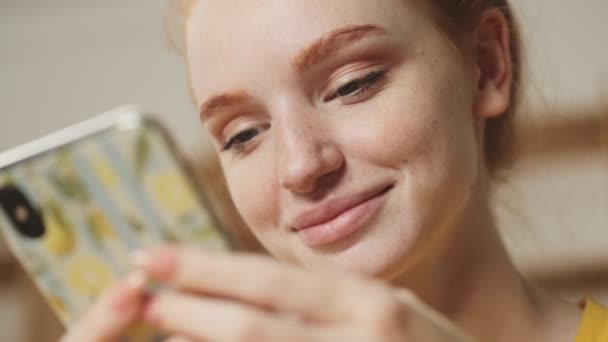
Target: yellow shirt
{"points": [[594, 327]]}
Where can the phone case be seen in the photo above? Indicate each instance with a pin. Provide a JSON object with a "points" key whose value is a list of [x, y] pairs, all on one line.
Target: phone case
{"points": [[102, 189]]}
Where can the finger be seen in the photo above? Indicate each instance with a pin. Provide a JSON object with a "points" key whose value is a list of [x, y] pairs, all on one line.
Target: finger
{"points": [[113, 313], [179, 339], [257, 280], [210, 319]]}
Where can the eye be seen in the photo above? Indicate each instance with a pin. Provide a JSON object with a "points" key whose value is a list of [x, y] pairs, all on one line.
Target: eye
{"points": [[358, 87], [240, 139]]}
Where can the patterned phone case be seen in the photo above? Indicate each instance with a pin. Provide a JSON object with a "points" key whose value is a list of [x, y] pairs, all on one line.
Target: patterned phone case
{"points": [[102, 189]]}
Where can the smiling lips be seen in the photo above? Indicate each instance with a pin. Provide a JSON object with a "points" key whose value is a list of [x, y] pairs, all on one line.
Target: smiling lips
{"points": [[339, 218]]}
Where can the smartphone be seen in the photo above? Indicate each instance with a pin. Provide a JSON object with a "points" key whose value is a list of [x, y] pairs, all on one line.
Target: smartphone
{"points": [[75, 203]]}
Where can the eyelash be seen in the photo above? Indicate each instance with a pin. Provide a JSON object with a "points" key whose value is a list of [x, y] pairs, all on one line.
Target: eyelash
{"points": [[238, 141], [362, 85]]}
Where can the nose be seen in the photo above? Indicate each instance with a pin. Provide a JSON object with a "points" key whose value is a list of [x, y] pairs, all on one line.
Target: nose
{"points": [[307, 155]]}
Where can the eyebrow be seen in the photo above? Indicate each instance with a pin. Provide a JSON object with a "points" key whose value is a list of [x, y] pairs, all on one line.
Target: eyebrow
{"points": [[218, 102], [332, 42], [325, 47]]}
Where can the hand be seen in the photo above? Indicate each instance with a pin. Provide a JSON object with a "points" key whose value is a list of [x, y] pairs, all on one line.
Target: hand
{"points": [[236, 297], [111, 316]]}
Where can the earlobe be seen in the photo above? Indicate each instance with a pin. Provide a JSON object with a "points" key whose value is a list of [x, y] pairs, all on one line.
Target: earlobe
{"points": [[494, 65], [491, 102]]}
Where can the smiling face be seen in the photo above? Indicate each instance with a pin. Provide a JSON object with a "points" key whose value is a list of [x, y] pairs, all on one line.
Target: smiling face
{"points": [[348, 130]]}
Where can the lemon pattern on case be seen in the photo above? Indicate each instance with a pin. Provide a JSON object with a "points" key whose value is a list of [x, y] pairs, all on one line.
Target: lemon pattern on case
{"points": [[101, 198]]}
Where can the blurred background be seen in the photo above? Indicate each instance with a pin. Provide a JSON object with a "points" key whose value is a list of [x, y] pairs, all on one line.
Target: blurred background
{"points": [[62, 61]]}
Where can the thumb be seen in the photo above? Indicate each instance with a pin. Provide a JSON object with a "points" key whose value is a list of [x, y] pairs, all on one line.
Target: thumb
{"points": [[112, 315]]}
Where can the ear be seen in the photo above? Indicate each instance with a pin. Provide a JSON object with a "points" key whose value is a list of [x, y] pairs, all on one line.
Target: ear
{"points": [[494, 65]]}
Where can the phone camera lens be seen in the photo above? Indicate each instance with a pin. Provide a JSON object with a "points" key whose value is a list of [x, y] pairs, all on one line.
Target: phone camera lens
{"points": [[24, 217], [22, 214]]}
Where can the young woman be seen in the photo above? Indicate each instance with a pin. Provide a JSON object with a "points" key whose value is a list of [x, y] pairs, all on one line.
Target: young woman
{"points": [[359, 140]]}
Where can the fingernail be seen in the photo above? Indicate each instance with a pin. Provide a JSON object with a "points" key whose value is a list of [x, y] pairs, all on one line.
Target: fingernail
{"points": [[158, 263], [140, 259], [137, 280]]}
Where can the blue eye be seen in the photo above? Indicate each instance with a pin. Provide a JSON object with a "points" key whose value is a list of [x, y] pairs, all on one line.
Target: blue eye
{"points": [[357, 87]]}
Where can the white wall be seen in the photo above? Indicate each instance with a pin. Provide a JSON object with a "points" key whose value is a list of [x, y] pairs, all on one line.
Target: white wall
{"points": [[62, 61], [567, 48]]}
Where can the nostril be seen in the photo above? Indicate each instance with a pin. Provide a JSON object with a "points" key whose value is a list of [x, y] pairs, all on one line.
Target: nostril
{"points": [[387, 189], [307, 163]]}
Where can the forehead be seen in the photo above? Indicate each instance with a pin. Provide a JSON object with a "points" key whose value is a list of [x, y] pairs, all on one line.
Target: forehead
{"points": [[235, 40]]}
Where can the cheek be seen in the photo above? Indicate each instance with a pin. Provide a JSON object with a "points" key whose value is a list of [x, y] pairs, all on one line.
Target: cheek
{"points": [[400, 129], [254, 192], [422, 127]]}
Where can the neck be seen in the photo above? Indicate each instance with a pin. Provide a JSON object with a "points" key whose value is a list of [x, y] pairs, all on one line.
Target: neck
{"points": [[474, 283]]}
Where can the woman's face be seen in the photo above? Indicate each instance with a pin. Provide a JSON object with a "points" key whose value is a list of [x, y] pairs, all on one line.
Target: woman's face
{"points": [[346, 128]]}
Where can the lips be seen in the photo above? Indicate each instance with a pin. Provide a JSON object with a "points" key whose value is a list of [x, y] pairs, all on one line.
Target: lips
{"points": [[340, 217]]}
